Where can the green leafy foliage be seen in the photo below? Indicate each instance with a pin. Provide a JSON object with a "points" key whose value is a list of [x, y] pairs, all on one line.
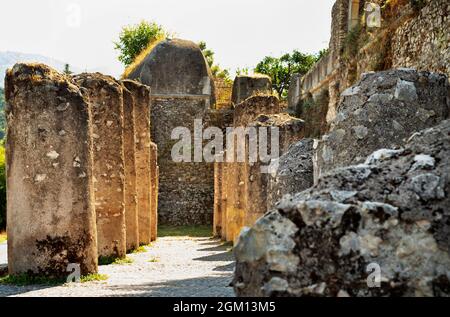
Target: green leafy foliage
{"points": [[280, 69], [134, 39], [216, 70]]}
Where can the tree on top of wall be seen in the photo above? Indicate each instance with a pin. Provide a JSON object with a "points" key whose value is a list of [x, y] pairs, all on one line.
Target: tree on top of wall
{"points": [[134, 39], [281, 69]]}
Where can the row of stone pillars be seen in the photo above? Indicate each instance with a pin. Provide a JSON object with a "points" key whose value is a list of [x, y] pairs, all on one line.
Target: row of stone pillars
{"points": [[81, 170]]}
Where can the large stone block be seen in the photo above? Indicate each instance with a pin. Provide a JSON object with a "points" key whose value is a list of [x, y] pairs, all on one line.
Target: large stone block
{"points": [[294, 93], [291, 173], [248, 110], [129, 149], [374, 229], [106, 98], [142, 104], [176, 67], [380, 112], [245, 86], [50, 199]]}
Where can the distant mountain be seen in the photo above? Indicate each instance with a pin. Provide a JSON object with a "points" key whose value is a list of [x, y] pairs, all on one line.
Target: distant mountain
{"points": [[8, 59]]}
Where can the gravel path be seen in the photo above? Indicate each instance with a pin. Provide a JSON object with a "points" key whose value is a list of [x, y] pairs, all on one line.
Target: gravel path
{"points": [[171, 267]]}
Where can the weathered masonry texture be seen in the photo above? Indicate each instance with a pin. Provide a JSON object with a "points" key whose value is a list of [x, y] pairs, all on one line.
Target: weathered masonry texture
{"points": [[142, 104], [373, 186], [51, 215], [129, 149], [411, 36], [81, 169], [380, 111], [245, 86], [106, 98], [154, 175], [241, 187], [182, 90]]}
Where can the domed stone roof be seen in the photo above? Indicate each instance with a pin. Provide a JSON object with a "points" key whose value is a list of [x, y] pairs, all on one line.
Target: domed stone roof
{"points": [[175, 67]]}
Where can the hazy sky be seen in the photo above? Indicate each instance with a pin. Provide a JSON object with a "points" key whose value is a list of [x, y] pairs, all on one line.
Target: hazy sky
{"points": [[241, 32]]}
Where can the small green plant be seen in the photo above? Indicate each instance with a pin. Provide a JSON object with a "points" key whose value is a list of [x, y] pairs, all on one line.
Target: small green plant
{"points": [[123, 261], [94, 277], [140, 249]]}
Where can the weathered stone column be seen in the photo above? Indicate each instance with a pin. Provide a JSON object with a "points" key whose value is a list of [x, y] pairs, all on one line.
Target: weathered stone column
{"points": [[218, 188], [154, 190], [141, 95], [129, 138], [245, 86], [106, 97], [51, 217]]}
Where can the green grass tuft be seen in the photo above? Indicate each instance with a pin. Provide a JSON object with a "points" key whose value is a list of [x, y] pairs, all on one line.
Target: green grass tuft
{"points": [[94, 277], [123, 261], [185, 231], [140, 249]]}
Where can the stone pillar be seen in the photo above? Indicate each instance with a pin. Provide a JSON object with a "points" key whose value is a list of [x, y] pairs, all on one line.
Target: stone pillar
{"points": [[51, 217], [218, 187], [294, 93], [154, 190], [247, 86], [223, 202], [106, 97], [129, 139], [293, 173], [141, 94]]}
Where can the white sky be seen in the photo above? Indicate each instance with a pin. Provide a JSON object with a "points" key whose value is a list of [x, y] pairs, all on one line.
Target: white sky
{"points": [[241, 32]]}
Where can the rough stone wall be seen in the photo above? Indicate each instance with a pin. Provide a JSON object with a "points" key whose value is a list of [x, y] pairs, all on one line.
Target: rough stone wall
{"points": [[129, 146], [409, 36], [186, 190], [423, 42], [379, 112], [51, 216], [142, 105], [154, 190], [390, 213], [106, 98], [245, 86]]}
